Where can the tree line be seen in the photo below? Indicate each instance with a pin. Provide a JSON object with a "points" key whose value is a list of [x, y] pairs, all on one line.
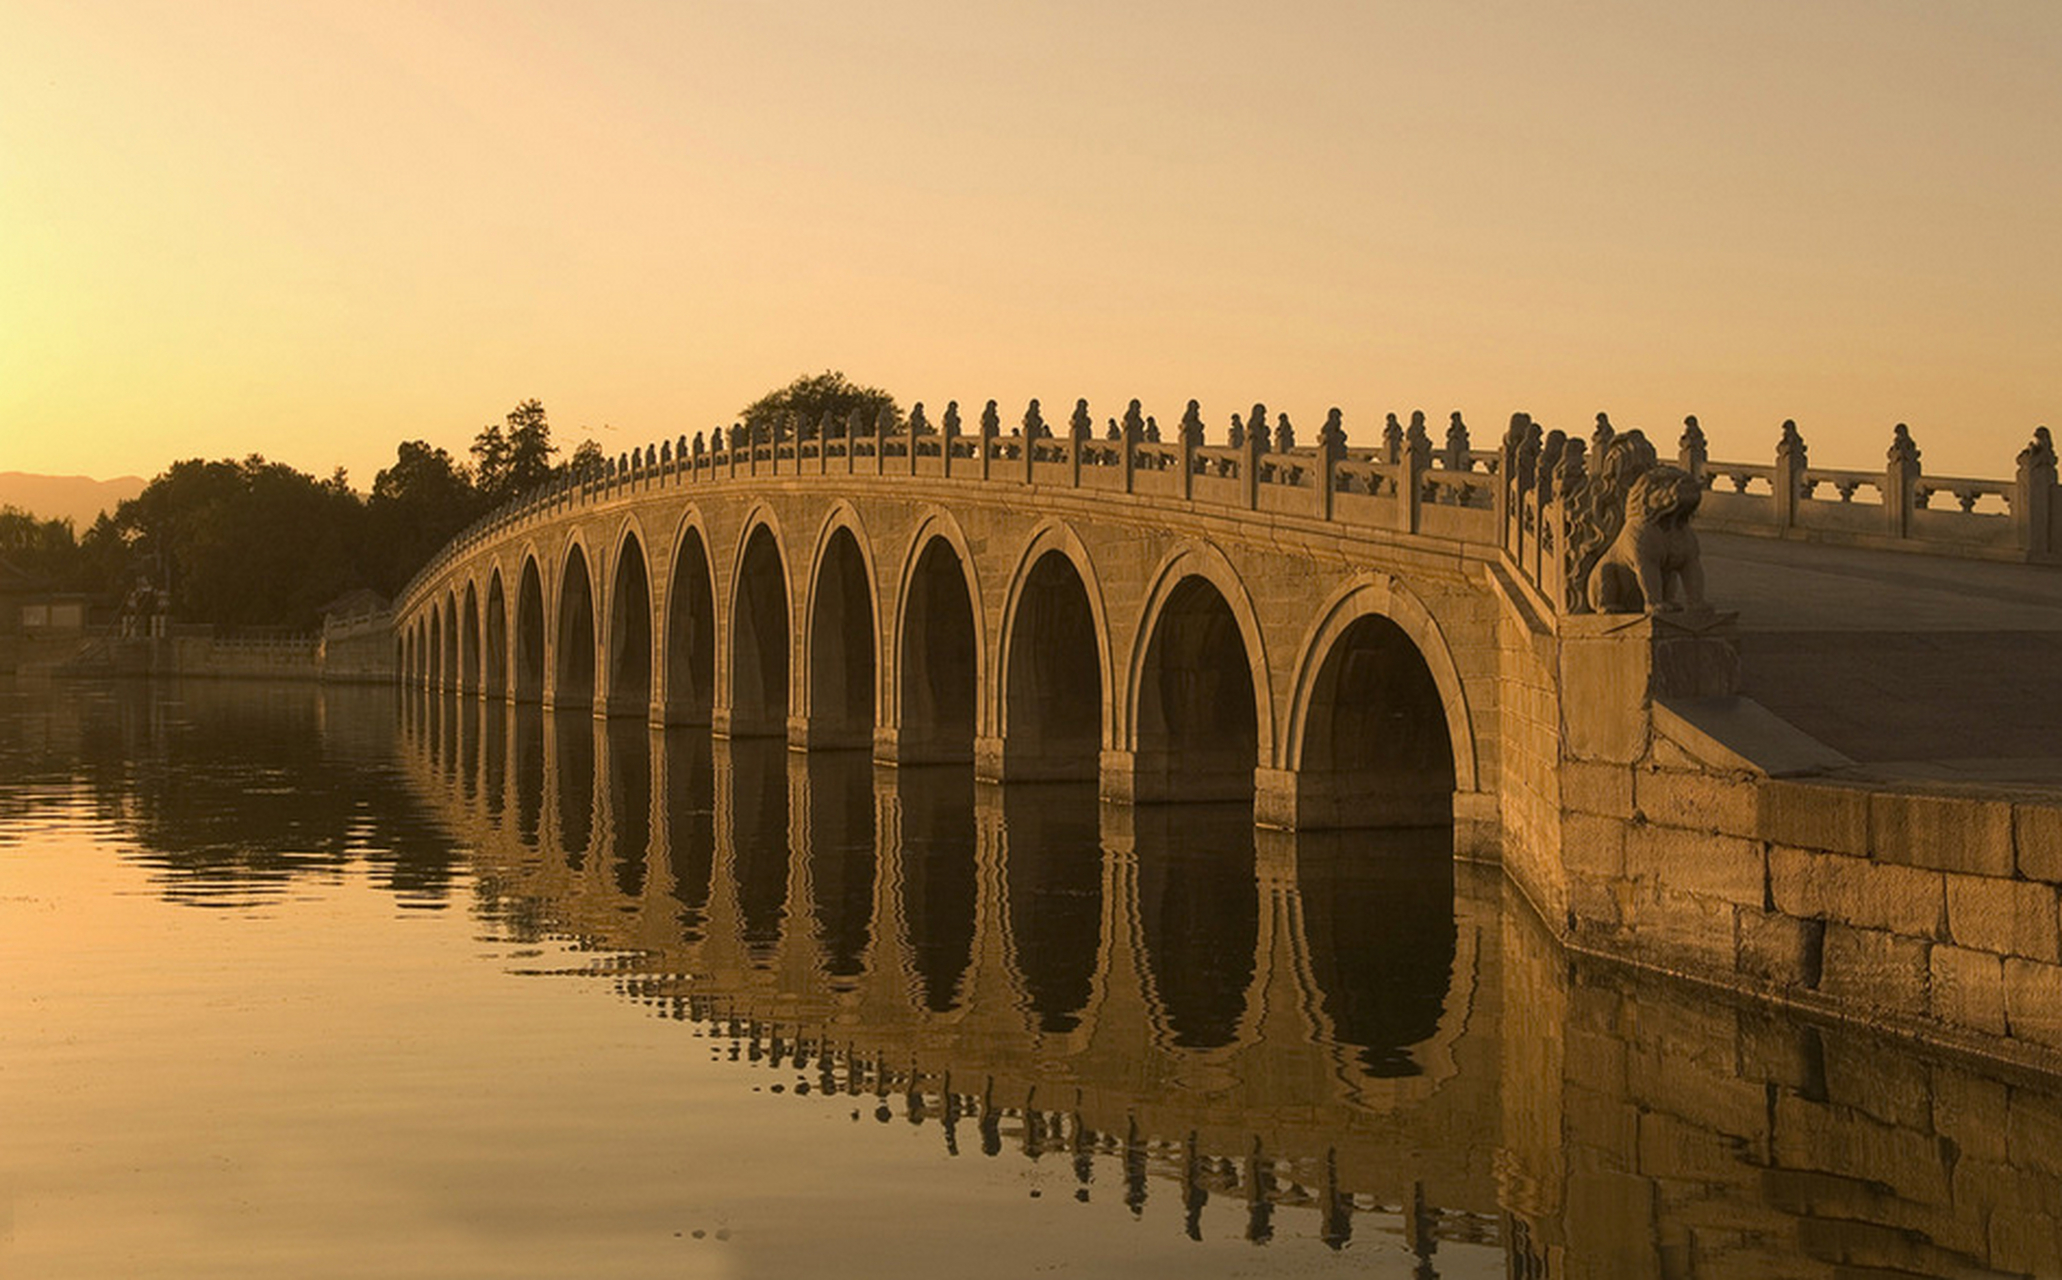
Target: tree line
{"points": [[254, 543]]}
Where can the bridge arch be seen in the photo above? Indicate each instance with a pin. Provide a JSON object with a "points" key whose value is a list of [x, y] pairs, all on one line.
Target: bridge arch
{"points": [[690, 625], [841, 634], [630, 636], [939, 675], [1049, 721], [469, 641], [1199, 711], [759, 613], [529, 630], [1378, 715], [436, 648], [573, 650], [494, 675]]}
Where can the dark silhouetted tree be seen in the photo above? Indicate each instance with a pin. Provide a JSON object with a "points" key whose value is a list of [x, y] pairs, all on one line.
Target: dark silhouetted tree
{"points": [[514, 460], [810, 398]]}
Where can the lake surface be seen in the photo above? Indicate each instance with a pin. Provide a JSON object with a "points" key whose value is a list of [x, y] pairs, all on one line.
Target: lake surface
{"points": [[307, 982]]}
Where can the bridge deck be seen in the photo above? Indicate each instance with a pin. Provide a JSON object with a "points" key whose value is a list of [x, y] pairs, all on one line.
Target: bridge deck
{"points": [[1914, 666]]}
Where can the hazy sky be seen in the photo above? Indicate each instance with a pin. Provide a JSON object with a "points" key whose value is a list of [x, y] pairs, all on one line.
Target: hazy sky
{"points": [[313, 230]]}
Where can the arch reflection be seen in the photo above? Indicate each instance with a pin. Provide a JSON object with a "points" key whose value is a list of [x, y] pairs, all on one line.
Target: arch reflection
{"points": [[936, 807], [1198, 917], [1053, 886]]}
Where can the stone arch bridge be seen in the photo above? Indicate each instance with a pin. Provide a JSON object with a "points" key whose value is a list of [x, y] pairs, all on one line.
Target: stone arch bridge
{"points": [[1312, 628]]}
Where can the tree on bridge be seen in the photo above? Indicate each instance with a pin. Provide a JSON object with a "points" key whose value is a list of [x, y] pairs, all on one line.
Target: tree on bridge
{"points": [[809, 398], [518, 459]]}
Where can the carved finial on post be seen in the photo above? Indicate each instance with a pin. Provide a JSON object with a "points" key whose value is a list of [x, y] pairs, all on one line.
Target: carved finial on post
{"points": [[1419, 441], [919, 425], [701, 445], [1128, 433], [1192, 424], [1691, 453], [1237, 436], [1789, 484], [1457, 446], [948, 427], [1284, 434], [1152, 430], [1134, 422], [991, 427], [2035, 499], [1256, 430], [1081, 426], [1901, 482], [1392, 440], [1111, 432], [1601, 438], [883, 427], [1331, 447]]}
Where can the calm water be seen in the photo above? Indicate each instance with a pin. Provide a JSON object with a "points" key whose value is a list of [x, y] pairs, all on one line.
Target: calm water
{"points": [[306, 983]]}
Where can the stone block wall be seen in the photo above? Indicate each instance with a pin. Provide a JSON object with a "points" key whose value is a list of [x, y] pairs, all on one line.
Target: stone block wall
{"points": [[1936, 914], [1718, 1139]]}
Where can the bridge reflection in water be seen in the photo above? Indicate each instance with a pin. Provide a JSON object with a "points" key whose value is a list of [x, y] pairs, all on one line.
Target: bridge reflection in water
{"points": [[1355, 1024], [1270, 1017]]}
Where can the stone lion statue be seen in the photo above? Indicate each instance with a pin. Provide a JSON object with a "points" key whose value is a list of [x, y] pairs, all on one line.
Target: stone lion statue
{"points": [[1655, 552]]}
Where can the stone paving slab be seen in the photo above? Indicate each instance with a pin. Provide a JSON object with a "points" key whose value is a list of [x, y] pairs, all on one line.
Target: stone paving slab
{"points": [[1917, 667]]}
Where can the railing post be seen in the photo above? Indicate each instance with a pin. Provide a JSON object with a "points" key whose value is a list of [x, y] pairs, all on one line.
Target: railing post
{"points": [[1133, 427], [883, 427], [855, 422], [1900, 483], [1691, 453], [1080, 430], [1331, 447], [918, 425], [1191, 432], [1034, 425], [991, 427], [2034, 500], [1417, 460], [1255, 447], [948, 431], [1791, 461]]}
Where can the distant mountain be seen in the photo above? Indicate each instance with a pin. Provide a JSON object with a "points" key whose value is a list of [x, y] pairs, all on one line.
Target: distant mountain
{"points": [[80, 499]]}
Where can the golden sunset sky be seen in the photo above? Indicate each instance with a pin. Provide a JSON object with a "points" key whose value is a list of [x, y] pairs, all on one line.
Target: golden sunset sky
{"points": [[312, 230]]}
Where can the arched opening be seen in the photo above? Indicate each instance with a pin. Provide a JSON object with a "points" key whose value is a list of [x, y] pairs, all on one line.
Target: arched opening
{"points": [[1379, 932], [529, 639], [690, 635], [494, 675], [1054, 688], [939, 661], [838, 848], [1376, 750], [401, 644], [940, 883], [469, 642], [759, 647], [574, 674], [436, 652], [841, 649], [1053, 880], [449, 658], [630, 634], [1199, 917], [1198, 731]]}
